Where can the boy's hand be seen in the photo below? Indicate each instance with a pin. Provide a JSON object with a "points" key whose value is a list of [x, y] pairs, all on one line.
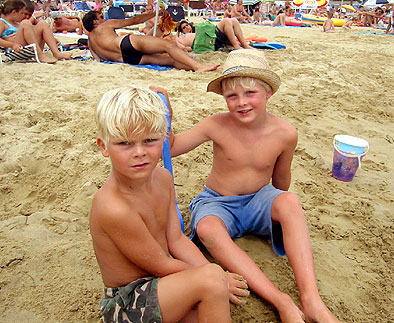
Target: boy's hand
{"points": [[159, 89], [238, 288]]}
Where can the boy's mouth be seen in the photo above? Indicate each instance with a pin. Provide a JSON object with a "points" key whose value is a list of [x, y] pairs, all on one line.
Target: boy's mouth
{"points": [[140, 166], [243, 112]]}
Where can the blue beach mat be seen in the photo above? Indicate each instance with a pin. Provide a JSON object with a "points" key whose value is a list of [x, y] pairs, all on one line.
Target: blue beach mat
{"points": [[88, 57], [268, 45], [148, 66]]}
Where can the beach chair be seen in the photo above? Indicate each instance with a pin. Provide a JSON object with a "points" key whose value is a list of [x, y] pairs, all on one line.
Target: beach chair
{"points": [[116, 13], [81, 6], [28, 53], [166, 154]]}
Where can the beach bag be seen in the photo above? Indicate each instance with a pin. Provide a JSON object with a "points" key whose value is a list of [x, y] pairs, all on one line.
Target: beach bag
{"points": [[205, 37]]}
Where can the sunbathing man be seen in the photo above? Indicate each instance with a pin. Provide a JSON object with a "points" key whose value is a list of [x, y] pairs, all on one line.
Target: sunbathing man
{"points": [[228, 32], [106, 44], [240, 13], [67, 24]]}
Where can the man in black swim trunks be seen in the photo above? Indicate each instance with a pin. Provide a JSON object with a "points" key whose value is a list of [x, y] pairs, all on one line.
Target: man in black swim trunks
{"points": [[106, 44]]}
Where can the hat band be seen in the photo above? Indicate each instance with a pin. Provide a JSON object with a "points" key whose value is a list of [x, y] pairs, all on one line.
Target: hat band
{"points": [[234, 69]]}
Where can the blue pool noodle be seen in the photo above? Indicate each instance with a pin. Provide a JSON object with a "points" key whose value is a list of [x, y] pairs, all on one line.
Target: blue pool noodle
{"points": [[166, 153]]}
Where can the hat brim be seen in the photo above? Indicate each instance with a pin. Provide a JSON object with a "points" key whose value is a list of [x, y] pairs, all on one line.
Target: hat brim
{"points": [[267, 76]]}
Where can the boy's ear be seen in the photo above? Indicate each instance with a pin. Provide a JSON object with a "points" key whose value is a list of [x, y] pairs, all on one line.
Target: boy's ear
{"points": [[103, 149], [269, 94]]}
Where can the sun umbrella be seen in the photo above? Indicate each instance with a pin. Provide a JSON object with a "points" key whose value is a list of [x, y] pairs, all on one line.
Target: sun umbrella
{"points": [[375, 3]]}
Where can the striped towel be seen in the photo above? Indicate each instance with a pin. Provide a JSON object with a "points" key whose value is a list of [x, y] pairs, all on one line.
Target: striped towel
{"points": [[26, 53]]}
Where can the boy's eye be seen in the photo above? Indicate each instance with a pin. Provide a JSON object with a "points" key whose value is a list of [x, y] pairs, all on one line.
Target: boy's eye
{"points": [[150, 140], [124, 143], [250, 92]]}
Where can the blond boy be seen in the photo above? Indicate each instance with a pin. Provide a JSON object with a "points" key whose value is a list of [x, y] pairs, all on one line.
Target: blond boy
{"points": [[151, 271], [251, 148]]}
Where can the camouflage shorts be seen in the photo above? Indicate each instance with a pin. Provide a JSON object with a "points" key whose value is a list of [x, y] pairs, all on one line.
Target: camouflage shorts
{"points": [[137, 302]]}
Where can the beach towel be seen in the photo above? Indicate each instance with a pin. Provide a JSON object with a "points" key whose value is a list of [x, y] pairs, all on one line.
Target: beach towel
{"points": [[374, 33], [88, 57], [259, 45], [27, 52]]}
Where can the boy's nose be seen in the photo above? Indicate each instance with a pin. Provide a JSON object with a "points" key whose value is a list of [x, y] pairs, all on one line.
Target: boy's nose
{"points": [[139, 150], [242, 101]]}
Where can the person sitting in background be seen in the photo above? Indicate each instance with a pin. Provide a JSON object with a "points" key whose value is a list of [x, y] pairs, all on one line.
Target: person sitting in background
{"points": [[149, 24], [240, 13], [328, 25], [164, 28], [217, 6], [16, 32], [390, 20], [228, 33], [227, 11], [32, 15]]}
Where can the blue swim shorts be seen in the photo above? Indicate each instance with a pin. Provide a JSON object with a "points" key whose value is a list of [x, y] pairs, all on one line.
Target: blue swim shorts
{"points": [[240, 213]]}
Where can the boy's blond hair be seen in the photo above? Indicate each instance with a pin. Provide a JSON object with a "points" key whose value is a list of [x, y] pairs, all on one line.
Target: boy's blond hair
{"points": [[128, 111], [245, 82]]}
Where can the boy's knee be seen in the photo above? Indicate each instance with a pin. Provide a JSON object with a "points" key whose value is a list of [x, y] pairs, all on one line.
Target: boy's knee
{"points": [[207, 230], [214, 278], [287, 202], [25, 23]]}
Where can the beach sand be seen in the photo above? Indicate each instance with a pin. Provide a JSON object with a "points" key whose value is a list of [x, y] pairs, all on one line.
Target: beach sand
{"points": [[50, 166]]}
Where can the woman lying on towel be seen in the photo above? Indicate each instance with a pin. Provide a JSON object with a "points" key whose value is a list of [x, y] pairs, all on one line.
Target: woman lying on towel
{"points": [[16, 32]]}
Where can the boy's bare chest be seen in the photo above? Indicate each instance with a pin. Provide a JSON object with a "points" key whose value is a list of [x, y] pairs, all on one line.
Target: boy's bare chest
{"points": [[154, 212], [253, 151]]}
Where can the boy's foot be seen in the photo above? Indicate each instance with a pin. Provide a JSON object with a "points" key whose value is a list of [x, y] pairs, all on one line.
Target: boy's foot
{"points": [[289, 312], [317, 311]]}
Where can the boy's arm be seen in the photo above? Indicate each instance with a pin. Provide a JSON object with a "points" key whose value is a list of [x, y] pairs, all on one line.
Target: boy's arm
{"points": [[281, 175], [183, 142], [129, 233], [180, 246]]}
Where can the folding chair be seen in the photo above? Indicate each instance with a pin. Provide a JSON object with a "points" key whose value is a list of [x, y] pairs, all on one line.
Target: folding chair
{"points": [[27, 53]]}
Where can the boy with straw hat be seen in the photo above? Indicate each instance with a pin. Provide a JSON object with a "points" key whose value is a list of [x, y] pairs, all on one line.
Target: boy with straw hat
{"points": [[251, 148]]}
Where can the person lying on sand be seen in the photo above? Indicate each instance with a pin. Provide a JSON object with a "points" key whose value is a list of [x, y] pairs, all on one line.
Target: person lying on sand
{"points": [[251, 148], [228, 33], [16, 32], [151, 271], [105, 44], [67, 24]]}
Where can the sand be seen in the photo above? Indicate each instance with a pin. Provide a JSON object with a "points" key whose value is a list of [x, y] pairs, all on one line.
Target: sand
{"points": [[50, 169]]}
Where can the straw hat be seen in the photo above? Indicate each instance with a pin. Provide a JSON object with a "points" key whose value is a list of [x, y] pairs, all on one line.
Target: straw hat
{"points": [[246, 63]]}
